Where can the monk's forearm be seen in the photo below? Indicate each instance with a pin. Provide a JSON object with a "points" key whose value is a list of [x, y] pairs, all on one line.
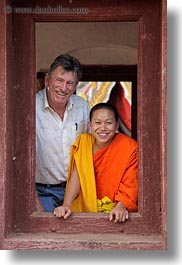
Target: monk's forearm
{"points": [[72, 189], [70, 195]]}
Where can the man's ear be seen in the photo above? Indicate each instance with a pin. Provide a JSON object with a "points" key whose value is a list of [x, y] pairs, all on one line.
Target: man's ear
{"points": [[46, 80]]}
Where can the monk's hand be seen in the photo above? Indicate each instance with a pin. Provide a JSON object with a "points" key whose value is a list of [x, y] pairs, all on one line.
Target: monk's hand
{"points": [[62, 211], [119, 213]]}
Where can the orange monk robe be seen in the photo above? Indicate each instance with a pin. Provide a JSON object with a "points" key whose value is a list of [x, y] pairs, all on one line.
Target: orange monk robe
{"points": [[116, 171], [111, 171]]}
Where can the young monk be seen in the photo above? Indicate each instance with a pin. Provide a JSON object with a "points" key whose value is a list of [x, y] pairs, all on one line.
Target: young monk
{"points": [[103, 174]]}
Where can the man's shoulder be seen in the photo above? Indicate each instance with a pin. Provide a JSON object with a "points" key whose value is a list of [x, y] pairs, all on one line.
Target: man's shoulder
{"points": [[40, 94], [40, 102], [84, 138], [79, 100]]}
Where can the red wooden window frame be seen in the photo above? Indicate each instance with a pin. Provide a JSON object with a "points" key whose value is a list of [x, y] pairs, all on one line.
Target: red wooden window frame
{"points": [[24, 228]]}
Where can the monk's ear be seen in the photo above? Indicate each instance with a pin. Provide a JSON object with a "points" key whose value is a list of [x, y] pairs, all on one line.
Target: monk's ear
{"points": [[117, 125], [89, 125]]}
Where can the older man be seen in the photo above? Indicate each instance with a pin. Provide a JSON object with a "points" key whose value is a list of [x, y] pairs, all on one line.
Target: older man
{"points": [[60, 117]]}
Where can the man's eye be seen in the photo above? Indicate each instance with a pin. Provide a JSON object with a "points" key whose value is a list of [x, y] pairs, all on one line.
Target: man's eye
{"points": [[70, 83], [59, 80]]}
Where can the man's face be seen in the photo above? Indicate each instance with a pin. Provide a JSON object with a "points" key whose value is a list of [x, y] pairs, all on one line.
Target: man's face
{"points": [[61, 85]]}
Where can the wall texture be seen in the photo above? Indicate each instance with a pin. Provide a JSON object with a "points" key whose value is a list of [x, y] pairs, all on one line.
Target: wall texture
{"points": [[92, 43]]}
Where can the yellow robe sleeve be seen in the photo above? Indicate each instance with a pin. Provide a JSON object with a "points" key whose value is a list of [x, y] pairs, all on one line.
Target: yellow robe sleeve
{"points": [[81, 154]]}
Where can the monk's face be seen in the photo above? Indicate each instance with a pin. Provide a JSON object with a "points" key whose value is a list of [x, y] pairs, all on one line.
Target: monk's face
{"points": [[103, 126]]}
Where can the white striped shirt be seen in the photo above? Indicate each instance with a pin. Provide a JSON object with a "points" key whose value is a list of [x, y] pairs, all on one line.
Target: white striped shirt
{"points": [[55, 136]]}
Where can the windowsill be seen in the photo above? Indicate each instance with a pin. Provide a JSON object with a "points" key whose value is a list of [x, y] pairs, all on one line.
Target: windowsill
{"points": [[85, 223], [82, 215]]}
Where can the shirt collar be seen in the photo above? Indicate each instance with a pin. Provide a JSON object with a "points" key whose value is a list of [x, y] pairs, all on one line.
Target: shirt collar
{"points": [[46, 104], [70, 103]]}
